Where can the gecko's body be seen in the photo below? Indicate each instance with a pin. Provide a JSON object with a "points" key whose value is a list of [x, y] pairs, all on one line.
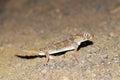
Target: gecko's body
{"points": [[70, 43], [67, 44]]}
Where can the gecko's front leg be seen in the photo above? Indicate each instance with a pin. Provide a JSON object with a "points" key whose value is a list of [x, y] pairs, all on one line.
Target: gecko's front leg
{"points": [[76, 52], [47, 58]]}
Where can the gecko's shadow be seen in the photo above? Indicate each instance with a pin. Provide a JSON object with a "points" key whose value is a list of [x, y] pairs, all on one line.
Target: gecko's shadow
{"points": [[29, 57], [83, 44]]}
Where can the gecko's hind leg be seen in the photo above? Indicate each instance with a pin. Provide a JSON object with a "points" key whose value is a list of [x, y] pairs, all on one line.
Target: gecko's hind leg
{"points": [[47, 58]]}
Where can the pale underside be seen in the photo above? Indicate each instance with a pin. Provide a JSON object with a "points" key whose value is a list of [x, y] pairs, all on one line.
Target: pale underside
{"points": [[71, 47], [57, 51]]}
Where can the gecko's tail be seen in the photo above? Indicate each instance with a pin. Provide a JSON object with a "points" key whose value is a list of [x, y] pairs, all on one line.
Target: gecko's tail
{"points": [[28, 54], [30, 51]]}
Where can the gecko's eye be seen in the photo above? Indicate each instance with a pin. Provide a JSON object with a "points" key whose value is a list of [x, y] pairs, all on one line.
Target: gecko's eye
{"points": [[87, 36]]}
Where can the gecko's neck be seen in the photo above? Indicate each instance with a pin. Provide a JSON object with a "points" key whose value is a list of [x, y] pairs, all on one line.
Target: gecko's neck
{"points": [[79, 42]]}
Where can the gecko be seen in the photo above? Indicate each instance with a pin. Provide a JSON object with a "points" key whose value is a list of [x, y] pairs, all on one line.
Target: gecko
{"points": [[70, 43]]}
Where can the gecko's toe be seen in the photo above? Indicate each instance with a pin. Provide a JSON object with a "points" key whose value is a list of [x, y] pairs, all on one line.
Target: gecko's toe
{"points": [[46, 64]]}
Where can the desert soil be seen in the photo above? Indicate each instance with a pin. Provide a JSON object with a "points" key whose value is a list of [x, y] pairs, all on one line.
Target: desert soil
{"points": [[32, 24]]}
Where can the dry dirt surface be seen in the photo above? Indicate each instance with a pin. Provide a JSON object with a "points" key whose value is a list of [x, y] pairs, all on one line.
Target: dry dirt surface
{"points": [[32, 24]]}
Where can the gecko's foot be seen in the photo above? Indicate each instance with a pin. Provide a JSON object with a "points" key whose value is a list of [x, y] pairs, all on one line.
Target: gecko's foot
{"points": [[77, 60], [45, 64], [76, 57]]}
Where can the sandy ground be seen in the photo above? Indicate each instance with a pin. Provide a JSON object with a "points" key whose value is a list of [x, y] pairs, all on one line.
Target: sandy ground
{"points": [[32, 24]]}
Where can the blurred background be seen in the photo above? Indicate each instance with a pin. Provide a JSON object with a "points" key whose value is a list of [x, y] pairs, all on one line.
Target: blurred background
{"points": [[32, 24]]}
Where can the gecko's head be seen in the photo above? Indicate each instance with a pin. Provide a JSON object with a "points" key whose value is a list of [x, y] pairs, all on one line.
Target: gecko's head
{"points": [[83, 37], [87, 36]]}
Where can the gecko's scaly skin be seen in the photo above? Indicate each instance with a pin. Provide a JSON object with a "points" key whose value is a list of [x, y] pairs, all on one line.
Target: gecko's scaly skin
{"points": [[66, 45]]}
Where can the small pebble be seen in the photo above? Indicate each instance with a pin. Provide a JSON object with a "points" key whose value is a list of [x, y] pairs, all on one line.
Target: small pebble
{"points": [[44, 71], [105, 56]]}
